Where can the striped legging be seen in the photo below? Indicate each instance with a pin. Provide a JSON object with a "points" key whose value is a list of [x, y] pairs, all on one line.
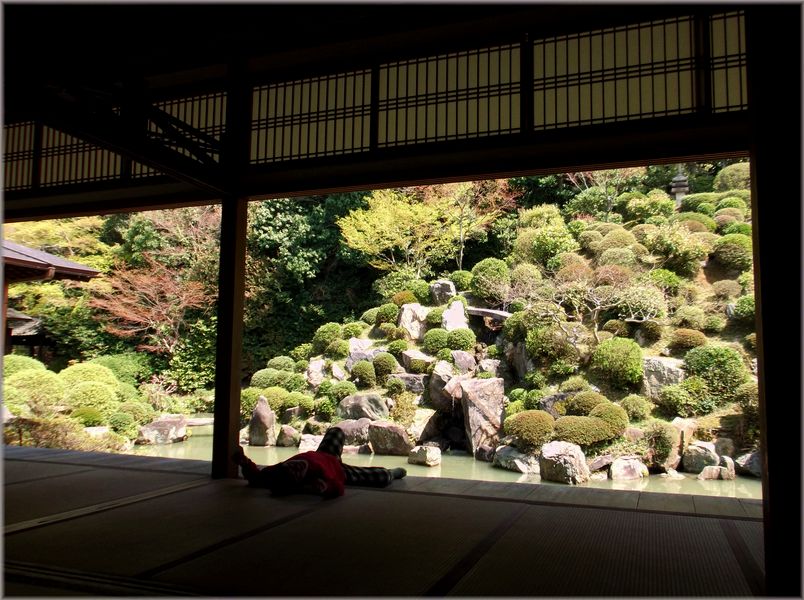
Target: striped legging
{"points": [[367, 476]]}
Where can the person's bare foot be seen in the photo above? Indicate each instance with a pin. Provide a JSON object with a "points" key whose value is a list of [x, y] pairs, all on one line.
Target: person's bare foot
{"points": [[398, 473]]}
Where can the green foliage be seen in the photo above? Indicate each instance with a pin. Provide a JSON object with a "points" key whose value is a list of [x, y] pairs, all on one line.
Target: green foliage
{"points": [[325, 335], [532, 399], [384, 364], [516, 394], [124, 424], [370, 316], [706, 208], [82, 372], [66, 434], [680, 251], [747, 398], [540, 216], [734, 252], [665, 280], [583, 431], [619, 361], [340, 390], [514, 407], [276, 397], [617, 238], [460, 339], [434, 340], [418, 366], [675, 400], [576, 227], [732, 202], [591, 201], [394, 333], [363, 374], [550, 241], [394, 386], [445, 354], [636, 407], [302, 352], [745, 308], [282, 363], [491, 280], [726, 289], [714, 324], [733, 177], [404, 409], [337, 349], [684, 339], [141, 412], [16, 401], [577, 383], [96, 394], [397, 347], [720, 367], [614, 415], [325, 409], [303, 401], [696, 217], [617, 328], [623, 257], [404, 297], [126, 392], [530, 428], [88, 416], [353, 329], [388, 313], [14, 363], [751, 341], [433, 318], [691, 317], [661, 438], [462, 280], [43, 389], [128, 367], [582, 403], [192, 365], [549, 343], [652, 205], [421, 290], [702, 401], [641, 302], [590, 239], [741, 228]]}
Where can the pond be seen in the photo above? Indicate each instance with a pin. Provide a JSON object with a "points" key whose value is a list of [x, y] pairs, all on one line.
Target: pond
{"points": [[460, 466]]}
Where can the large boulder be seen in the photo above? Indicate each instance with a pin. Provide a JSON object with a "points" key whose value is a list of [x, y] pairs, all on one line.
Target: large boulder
{"points": [[338, 373], [164, 430], [659, 371], [421, 421], [511, 459], [442, 290], [360, 349], [414, 382], [686, 430], [699, 455], [389, 438], [413, 319], [355, 431], [600, 462], [408, 356], [453, 390], [627, 468], [464, 361], [563, 462], [357, 406], [315, 372], [490, 365], [727, 469], [454, 317], [517, 356], [548, 402], [749, 464], [441, 375], [483, 406], [309, 442], [287, 436], [428, 456]]}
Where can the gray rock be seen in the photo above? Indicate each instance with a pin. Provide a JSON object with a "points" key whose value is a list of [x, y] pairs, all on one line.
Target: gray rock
{"points": [[728, 471], [262, 426], [547, 403], [724, 447], [659, 372], [421, 421], [699, 455], [287, 436], [338, 373], [483, 406], [8, 417], [454, 317], [358, 406], [686, 429], [315, 372], [412, 354], [517, 356], [709, 473], [361, 449], [453, 389], [441, 375], [360, 349], [627, 468], [355, 431], [490, 365], [314, 427], [754, 367], [164, 430], [673, 475], [563, 462], [749, 464], [599, 476], [730, 308], [414, 382], [464, 361], [291, 413], [633, 434], [429, 456], [389, 438], [484, 453], [309, 442], [413, 319], [601, 462], [511, 459], [442, 290]]}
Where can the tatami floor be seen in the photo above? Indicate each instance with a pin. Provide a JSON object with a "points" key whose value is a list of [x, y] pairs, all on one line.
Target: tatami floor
{"points": [[107, 525]]}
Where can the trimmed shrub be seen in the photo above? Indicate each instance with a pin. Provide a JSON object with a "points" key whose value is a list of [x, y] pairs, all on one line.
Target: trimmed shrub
{"points": [[302, 352], [303, 401], [363, 374], [576, 383], [418, 366], [675, 400], [574, 272], [445, 354], [539, 216], [88, 416], [325, 335], [276, 397], [530, 429], [660, 438], [690, 202], [397, 347], [353, 329], [617, 328], [325, 409], [325, 387], [384, 364], [433, 318], [653, 205], [684, 339], [617, 275], [651, 331], [82, 372], [706, 239], [618, 238], [614, 415], [706, 208], [393, 282], [300, 366], [745, 308], [732, 213], [734, 251], [732, 202], [665, 280], [514, 407], [641, 302], [370, 316], [532, 398], [462, 280], [95, 394], [694, 226], [43, 389], [576, 227], [387, 313], [549, 343], [491, 280], [340, 390], [394, 387], [623, 257], [124, 424], [726, 289], [434, 340], [16, 401], [714, 324], [751, 341], [640, 232], [128, 367], [591, 201], [746, 280], [141, 412], [394, 333], [747, 398], [337, 349], [265, 378], [404, 297], [404, 409], [721, 368], [248, 400], [524, 278], [461, 339], [681, 251], [517, 394], [619, 361], [725, 221], [741, 228], [582, 403], [733, 177], [702, 401], [636, 407], [14, 363], [282, 363], [125, 392], [584, 431], [708, 222], [421, 290], [690, 317]]}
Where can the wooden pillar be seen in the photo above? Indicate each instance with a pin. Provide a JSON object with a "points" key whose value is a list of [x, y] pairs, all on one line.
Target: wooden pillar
{"points": [[774, 65], [231, 288]]}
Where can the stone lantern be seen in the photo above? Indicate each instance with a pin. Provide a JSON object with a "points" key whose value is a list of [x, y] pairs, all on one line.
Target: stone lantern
{"points": [[679, 186]]}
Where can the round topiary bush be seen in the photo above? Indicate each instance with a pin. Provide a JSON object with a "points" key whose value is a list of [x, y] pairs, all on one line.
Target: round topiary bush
{"points": [[445, 354], [665, 280], [363, 374], [397, 347], [675, 400], [384, 364], [353, 329], [95, 394], [614, 415], [636, 407], [387, 313], [88, 416], [434, 340], [433, 318], [549, 343], [577, 383], [513, 407], [721, 368], [491, 280], [726, 289], [276, 397], [747, 398], [533, 398], [394, 386], [733, 177], [530, 429], [582, 403], [590, 239], [421, 290], [324, 388], [265, 378], [325, 335], [340, 390], [83, 372], [517, 394], [616, 275], [324, 409], [623, 257], [394, 333], [618, 238], [684, 339], [370, 316], [745, 308], [583, 431], [708, 222], [404, 297], [734, 252], [302, 352], [697, 388], [641, 302], [650, 331], [43, 389], [619, 361], [661, 438], [128, 367], [141, 412], [732, 202], [248, 400], [741, 228], [706, 208], [690, 317], [461, 339], [16, 401], [126, 392], [462, 280], [14, 363], [124, 424], [617, 328], [714, 324], [574, 272], [282, 363], [540, 215], [303, 401], [337, 349]]}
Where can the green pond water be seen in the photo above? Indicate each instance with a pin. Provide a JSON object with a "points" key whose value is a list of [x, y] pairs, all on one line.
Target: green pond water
{"points": [[459, 466]]}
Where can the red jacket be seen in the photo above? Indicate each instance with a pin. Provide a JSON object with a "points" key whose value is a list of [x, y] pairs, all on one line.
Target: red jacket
{"points": [[304, 470]]}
